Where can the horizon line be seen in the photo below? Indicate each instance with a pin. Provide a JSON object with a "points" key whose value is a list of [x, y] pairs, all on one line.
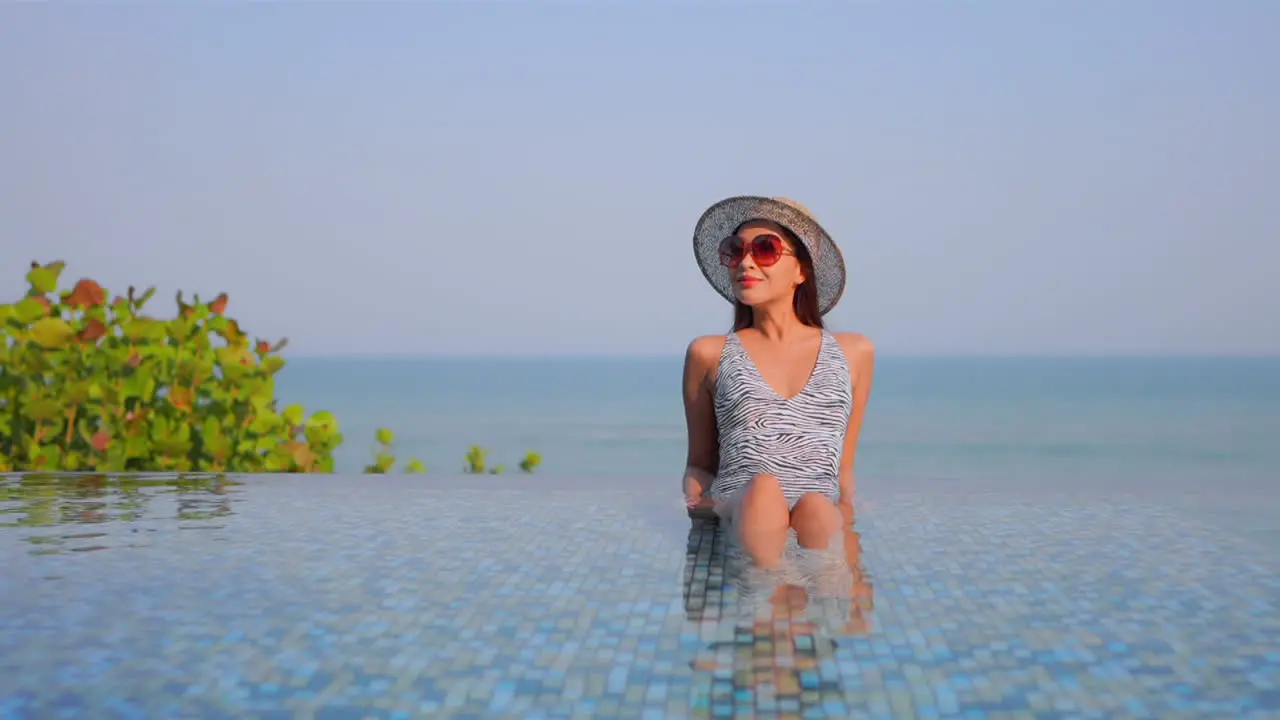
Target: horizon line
{"points": [[679, 356]]}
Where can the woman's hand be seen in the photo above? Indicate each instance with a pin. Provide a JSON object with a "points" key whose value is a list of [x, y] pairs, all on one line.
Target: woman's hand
{"points": [[696, 485], [845, 506], [692, 491]]}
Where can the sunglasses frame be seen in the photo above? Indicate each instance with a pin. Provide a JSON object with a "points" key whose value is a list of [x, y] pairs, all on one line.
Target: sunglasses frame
{"points": [[745, 248]]}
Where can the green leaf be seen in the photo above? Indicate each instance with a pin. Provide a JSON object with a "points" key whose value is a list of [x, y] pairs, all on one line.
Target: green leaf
{"points": [[45, 457], [144, 328], [172, 446], [178, 329], [42, 410], [211, 428], [385, 436], [415, 467], [140, 386], [136, 446], [265, 422], [294, 414], [262, 403], [231, 356], [44, 279], [322, 429], [29, 310], [52, 332], [324, 420], [76, 392], [158, 352], [217, 446], [275, 463]]}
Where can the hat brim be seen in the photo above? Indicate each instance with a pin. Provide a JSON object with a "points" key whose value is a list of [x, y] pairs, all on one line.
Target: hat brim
{"points": [[723, 219]]}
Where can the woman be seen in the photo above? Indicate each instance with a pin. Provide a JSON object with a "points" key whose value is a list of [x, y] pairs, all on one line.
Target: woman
{"points": [[775, 407]]}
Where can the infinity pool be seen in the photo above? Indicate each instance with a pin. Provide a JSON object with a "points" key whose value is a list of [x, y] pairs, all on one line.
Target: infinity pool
{"points": [[540, 597]]}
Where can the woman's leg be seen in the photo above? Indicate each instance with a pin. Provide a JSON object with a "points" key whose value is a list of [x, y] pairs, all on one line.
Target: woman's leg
{"points": [[762, 520], [816, 520]]}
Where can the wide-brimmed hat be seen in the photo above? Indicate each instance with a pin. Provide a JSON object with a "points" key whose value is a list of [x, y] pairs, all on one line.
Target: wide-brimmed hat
{"points": [[723, 219]]}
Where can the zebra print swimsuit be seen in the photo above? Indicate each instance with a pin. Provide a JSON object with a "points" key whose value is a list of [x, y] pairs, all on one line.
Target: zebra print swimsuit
{"points": [[799, 440]]}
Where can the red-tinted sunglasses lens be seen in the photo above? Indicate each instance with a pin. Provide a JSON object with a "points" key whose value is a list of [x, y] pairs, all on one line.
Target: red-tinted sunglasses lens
{"points": [[731, 251], [765, 250]]}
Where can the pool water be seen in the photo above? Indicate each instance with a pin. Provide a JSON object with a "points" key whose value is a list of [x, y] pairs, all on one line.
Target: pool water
{"points": [[548, 597]]}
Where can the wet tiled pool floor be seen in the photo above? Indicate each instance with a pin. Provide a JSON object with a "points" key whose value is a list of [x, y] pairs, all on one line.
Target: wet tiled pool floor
{"points": [[535, 597]]}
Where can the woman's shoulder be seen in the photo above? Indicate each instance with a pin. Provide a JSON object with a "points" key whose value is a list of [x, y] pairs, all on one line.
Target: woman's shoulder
{"points": [[704, 350], [856, 346], [702, 359]]}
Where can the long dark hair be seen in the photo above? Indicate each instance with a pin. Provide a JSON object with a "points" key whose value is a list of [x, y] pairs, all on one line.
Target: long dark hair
{"points": [[805, 301]]}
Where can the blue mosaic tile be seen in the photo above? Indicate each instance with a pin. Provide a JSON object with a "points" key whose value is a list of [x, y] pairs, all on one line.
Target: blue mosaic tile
{"points": [[543, 597]]}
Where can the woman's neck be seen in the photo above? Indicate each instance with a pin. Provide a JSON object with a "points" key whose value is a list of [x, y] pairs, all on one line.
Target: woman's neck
{"points": [[779, 323]]}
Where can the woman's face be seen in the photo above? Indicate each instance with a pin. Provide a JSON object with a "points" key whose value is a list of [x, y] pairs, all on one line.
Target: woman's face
{"points": [[762, 263]]}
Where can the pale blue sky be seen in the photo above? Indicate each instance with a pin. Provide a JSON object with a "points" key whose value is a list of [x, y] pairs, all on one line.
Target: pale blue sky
{"points": [[499, 177]]}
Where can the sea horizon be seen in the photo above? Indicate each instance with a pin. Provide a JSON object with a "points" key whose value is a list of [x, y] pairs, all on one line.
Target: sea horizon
{"points": [[984, 417], [880, 355]]}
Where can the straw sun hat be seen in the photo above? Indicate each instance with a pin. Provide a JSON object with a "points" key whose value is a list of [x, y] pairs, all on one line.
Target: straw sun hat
{"points": [[723, 219]]}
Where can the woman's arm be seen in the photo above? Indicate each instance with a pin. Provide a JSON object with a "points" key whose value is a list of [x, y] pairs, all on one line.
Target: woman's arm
{"points": [[703, 456], [861, 355]]}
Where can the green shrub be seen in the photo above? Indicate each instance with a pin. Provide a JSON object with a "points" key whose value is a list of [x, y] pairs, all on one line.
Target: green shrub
{"points": [[88, 384], [477, 457], [384, 461], [530, 462], [475, 460]]}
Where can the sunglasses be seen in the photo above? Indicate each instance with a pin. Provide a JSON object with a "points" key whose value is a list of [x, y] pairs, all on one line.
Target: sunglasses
{"points": [[765, 249]]}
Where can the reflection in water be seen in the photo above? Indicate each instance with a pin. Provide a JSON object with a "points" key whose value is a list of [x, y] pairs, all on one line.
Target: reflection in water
{"points": [[769, 633], [52, 500]]}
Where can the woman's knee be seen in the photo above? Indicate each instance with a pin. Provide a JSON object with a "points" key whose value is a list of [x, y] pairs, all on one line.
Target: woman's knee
{"points": [[813, 503], [763, 499], [815, 518]]}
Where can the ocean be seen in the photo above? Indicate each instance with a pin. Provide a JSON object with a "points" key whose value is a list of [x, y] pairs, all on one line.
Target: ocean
{"points": [[1024, 419]]}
